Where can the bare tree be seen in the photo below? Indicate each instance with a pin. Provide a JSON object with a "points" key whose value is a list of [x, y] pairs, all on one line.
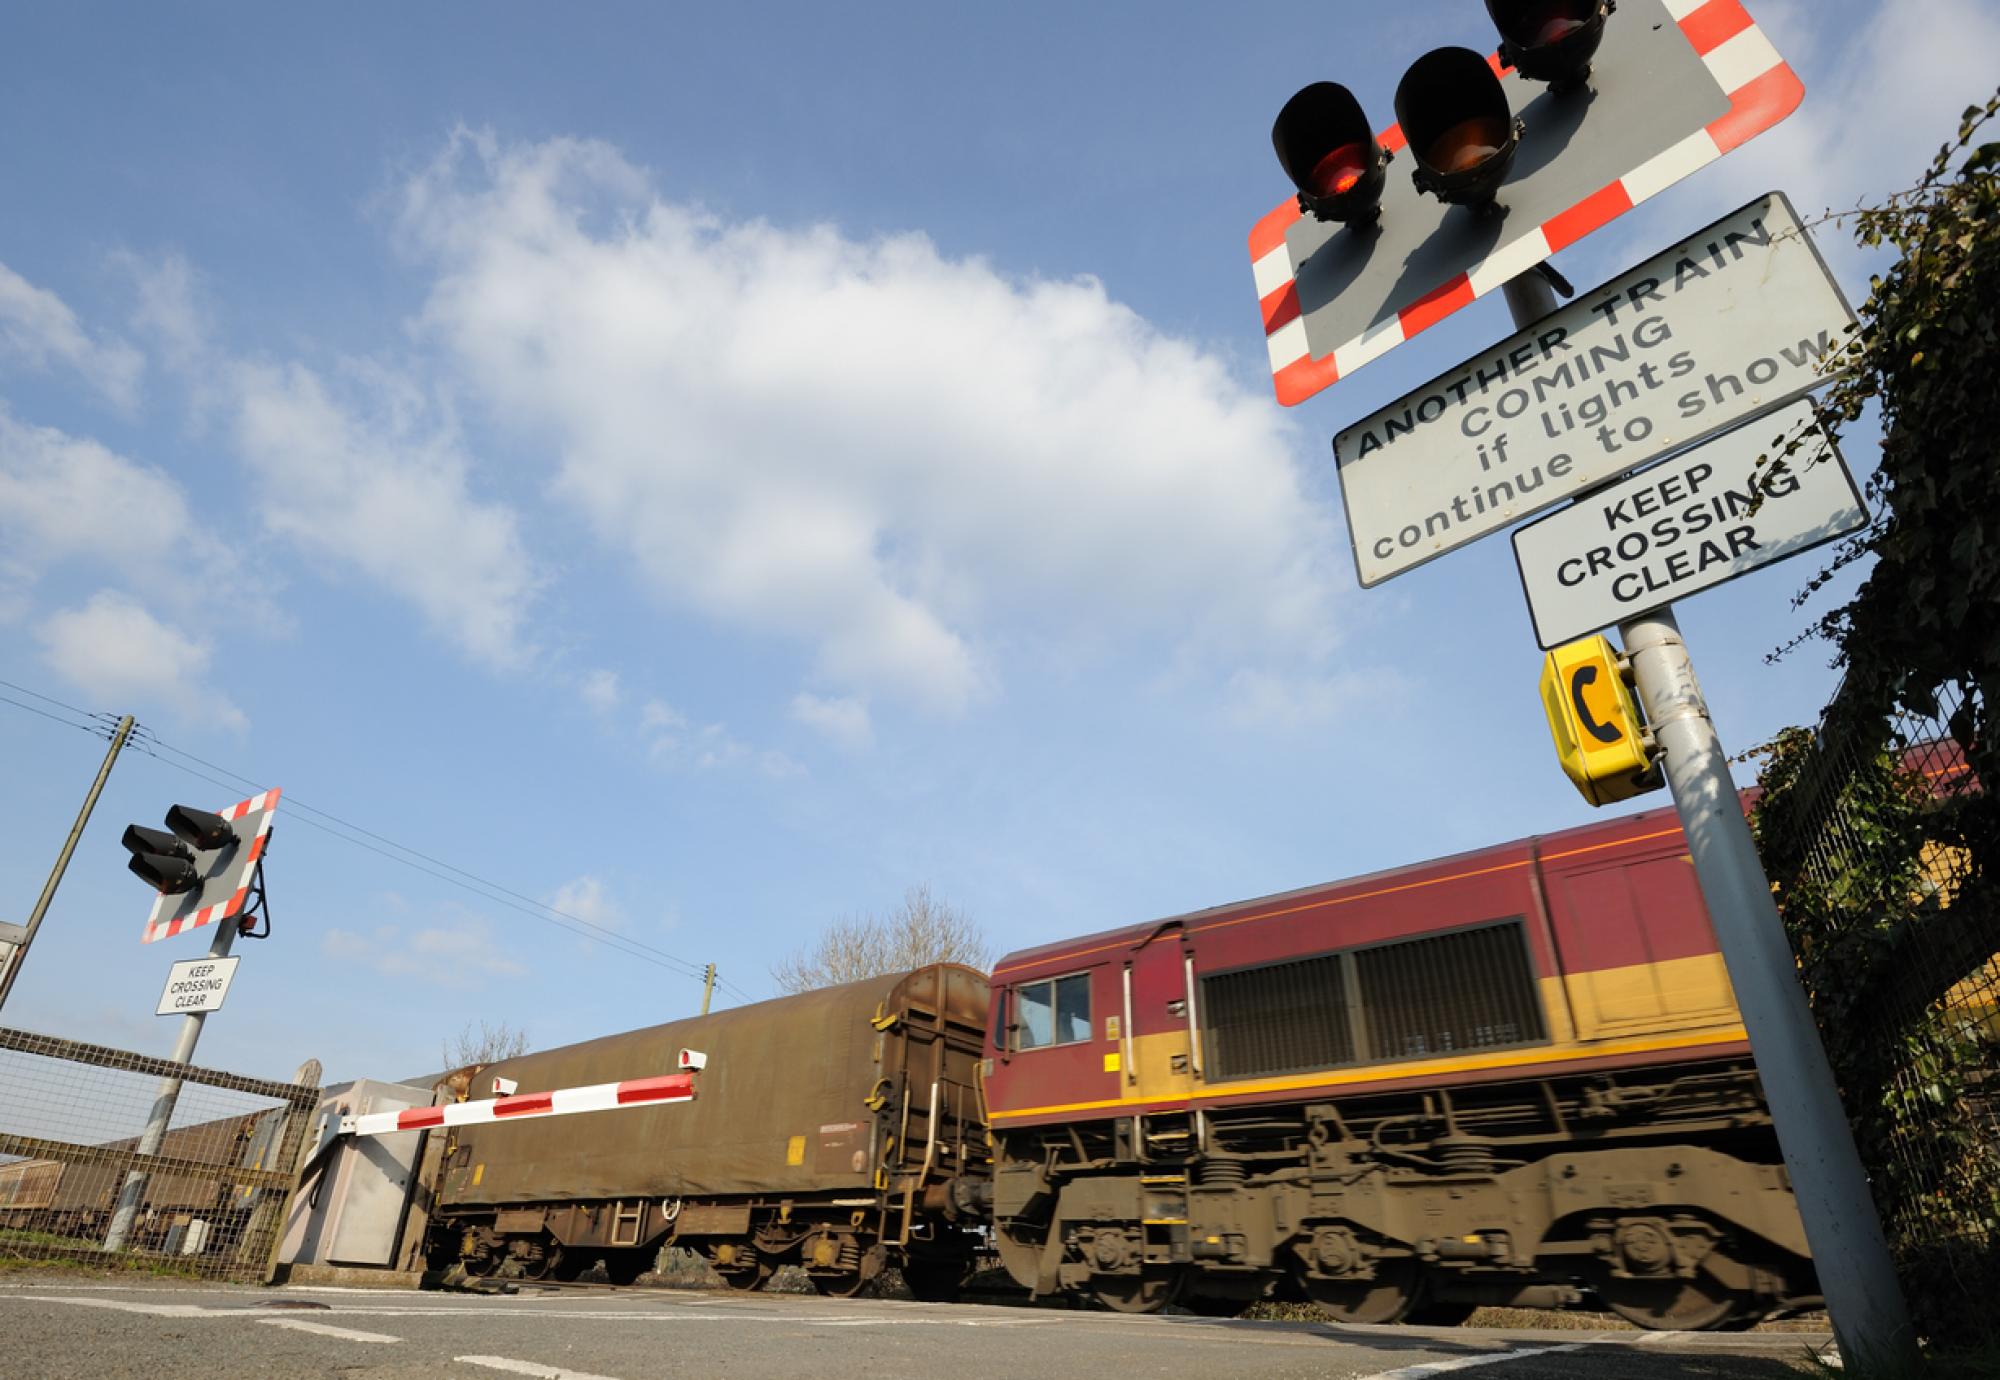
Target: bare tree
{"points": [[922, 930], [488, 1044]]}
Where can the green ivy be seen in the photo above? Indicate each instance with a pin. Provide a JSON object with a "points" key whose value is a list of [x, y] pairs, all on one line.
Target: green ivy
{"points": [[1881, 876]]}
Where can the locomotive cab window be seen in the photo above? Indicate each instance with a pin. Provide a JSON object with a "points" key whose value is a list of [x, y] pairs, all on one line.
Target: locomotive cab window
{"points": [[1056, 1012]]}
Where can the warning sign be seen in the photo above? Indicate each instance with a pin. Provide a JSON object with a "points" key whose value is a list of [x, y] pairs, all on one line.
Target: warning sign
{"points": [[197, 984], [1706, 516], [1733, 321]]}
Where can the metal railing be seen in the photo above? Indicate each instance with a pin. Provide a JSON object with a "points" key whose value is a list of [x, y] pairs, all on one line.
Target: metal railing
{"points": [[215, 1192], [1883, 841]]}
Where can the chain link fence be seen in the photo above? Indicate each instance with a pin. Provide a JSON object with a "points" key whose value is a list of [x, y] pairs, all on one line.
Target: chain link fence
{"points": [[208, 1203], [1880, 841]]}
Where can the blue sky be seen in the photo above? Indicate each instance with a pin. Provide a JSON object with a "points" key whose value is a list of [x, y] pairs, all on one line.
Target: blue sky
{"points": [[709, 470]]}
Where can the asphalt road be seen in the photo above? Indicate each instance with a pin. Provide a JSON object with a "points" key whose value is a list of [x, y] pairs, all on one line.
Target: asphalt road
{"points": [[71, 1329]]}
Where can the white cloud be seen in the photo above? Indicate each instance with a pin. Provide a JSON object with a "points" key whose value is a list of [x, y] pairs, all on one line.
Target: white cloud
{"points": [[907, 464], [462, 953], [1877, 105], [67, 498], [672, 741], [374, 480], [600, 690], [171, 314], [38, 329], [117, 653], [584, 898], [844, 721]]}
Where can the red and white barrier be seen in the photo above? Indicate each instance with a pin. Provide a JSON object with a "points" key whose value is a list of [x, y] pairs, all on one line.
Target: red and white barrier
{"points": [[599, 1097]]}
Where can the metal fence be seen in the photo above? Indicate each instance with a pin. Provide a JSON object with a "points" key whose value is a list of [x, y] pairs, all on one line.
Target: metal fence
{"points": [[1880, 840], [209, 1202]]}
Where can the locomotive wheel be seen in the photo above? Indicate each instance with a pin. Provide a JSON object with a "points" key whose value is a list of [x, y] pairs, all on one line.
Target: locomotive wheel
{"points": [[1669, 1305], [1387, 1298], [1147, 1292]]}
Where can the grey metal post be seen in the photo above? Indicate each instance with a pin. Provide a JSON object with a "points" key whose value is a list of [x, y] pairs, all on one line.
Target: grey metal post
{"points": [[17, 947], [1852, 1258], [163, 1103], [1856, 1272]]}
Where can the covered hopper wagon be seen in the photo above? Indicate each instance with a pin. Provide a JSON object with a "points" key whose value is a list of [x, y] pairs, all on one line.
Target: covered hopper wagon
{"points": [[838, 1130]]}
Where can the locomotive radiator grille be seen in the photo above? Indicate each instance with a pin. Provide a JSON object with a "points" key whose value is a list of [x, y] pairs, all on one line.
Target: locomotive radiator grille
{"points": [[1284, 1018], [1471, 989], [1418, 998]]}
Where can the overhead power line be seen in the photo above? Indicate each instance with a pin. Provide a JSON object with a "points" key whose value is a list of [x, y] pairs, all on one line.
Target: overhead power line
{"points": [[146, 741]]}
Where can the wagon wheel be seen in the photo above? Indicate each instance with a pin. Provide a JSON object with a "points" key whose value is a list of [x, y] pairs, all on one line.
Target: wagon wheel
{"points": [[1386, 1298], [1668, 1304], [568, 1265], [1146, 1292], [544, 1265], [482, 1265], [841, 1286], [746, 1268]]}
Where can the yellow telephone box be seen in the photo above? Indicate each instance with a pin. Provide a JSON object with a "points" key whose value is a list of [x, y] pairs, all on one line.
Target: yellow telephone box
{"points": [[1599, 731]]}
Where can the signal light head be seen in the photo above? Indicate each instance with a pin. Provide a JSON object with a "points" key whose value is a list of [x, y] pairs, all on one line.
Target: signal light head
{"points": [[200, 828], [1325, 146], [160, 860], [1462, 135], [1550, 40]]}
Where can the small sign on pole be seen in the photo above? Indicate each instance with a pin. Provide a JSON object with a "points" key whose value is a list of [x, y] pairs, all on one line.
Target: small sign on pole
{"points": [[1686, 525], [197, 984], [1732, 321]]}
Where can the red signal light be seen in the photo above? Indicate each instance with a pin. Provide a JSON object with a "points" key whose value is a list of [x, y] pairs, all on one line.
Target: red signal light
{"points": [[1325, 146], [1339, 170]]}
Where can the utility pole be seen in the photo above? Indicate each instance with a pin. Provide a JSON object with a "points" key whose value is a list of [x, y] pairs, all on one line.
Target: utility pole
{"points": [[707, 988], [1856, 1272], [15, 939]]}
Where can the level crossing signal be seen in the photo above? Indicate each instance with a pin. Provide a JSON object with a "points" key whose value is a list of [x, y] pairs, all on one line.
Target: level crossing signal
{"points": [[1550, 40], [166, 859], [1586, 109], [203, 865]]}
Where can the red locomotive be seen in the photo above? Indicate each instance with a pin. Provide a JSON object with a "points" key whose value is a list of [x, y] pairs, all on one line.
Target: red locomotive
{"points": [[1503, 1077]]}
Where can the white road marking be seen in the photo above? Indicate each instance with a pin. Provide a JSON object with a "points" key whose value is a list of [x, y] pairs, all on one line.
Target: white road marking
{"points": [[1417, 1372], [324, 1330], [507, 1363], [157, 1310]]}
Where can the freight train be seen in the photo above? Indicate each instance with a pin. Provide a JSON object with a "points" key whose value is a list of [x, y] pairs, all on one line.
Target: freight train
{"points": [[1514, 1076], [183, 1214]]}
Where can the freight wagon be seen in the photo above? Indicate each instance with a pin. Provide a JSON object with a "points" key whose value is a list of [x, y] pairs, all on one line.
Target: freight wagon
{"points": [[1505, 1077], [837, 1130], [76, 1199]]}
